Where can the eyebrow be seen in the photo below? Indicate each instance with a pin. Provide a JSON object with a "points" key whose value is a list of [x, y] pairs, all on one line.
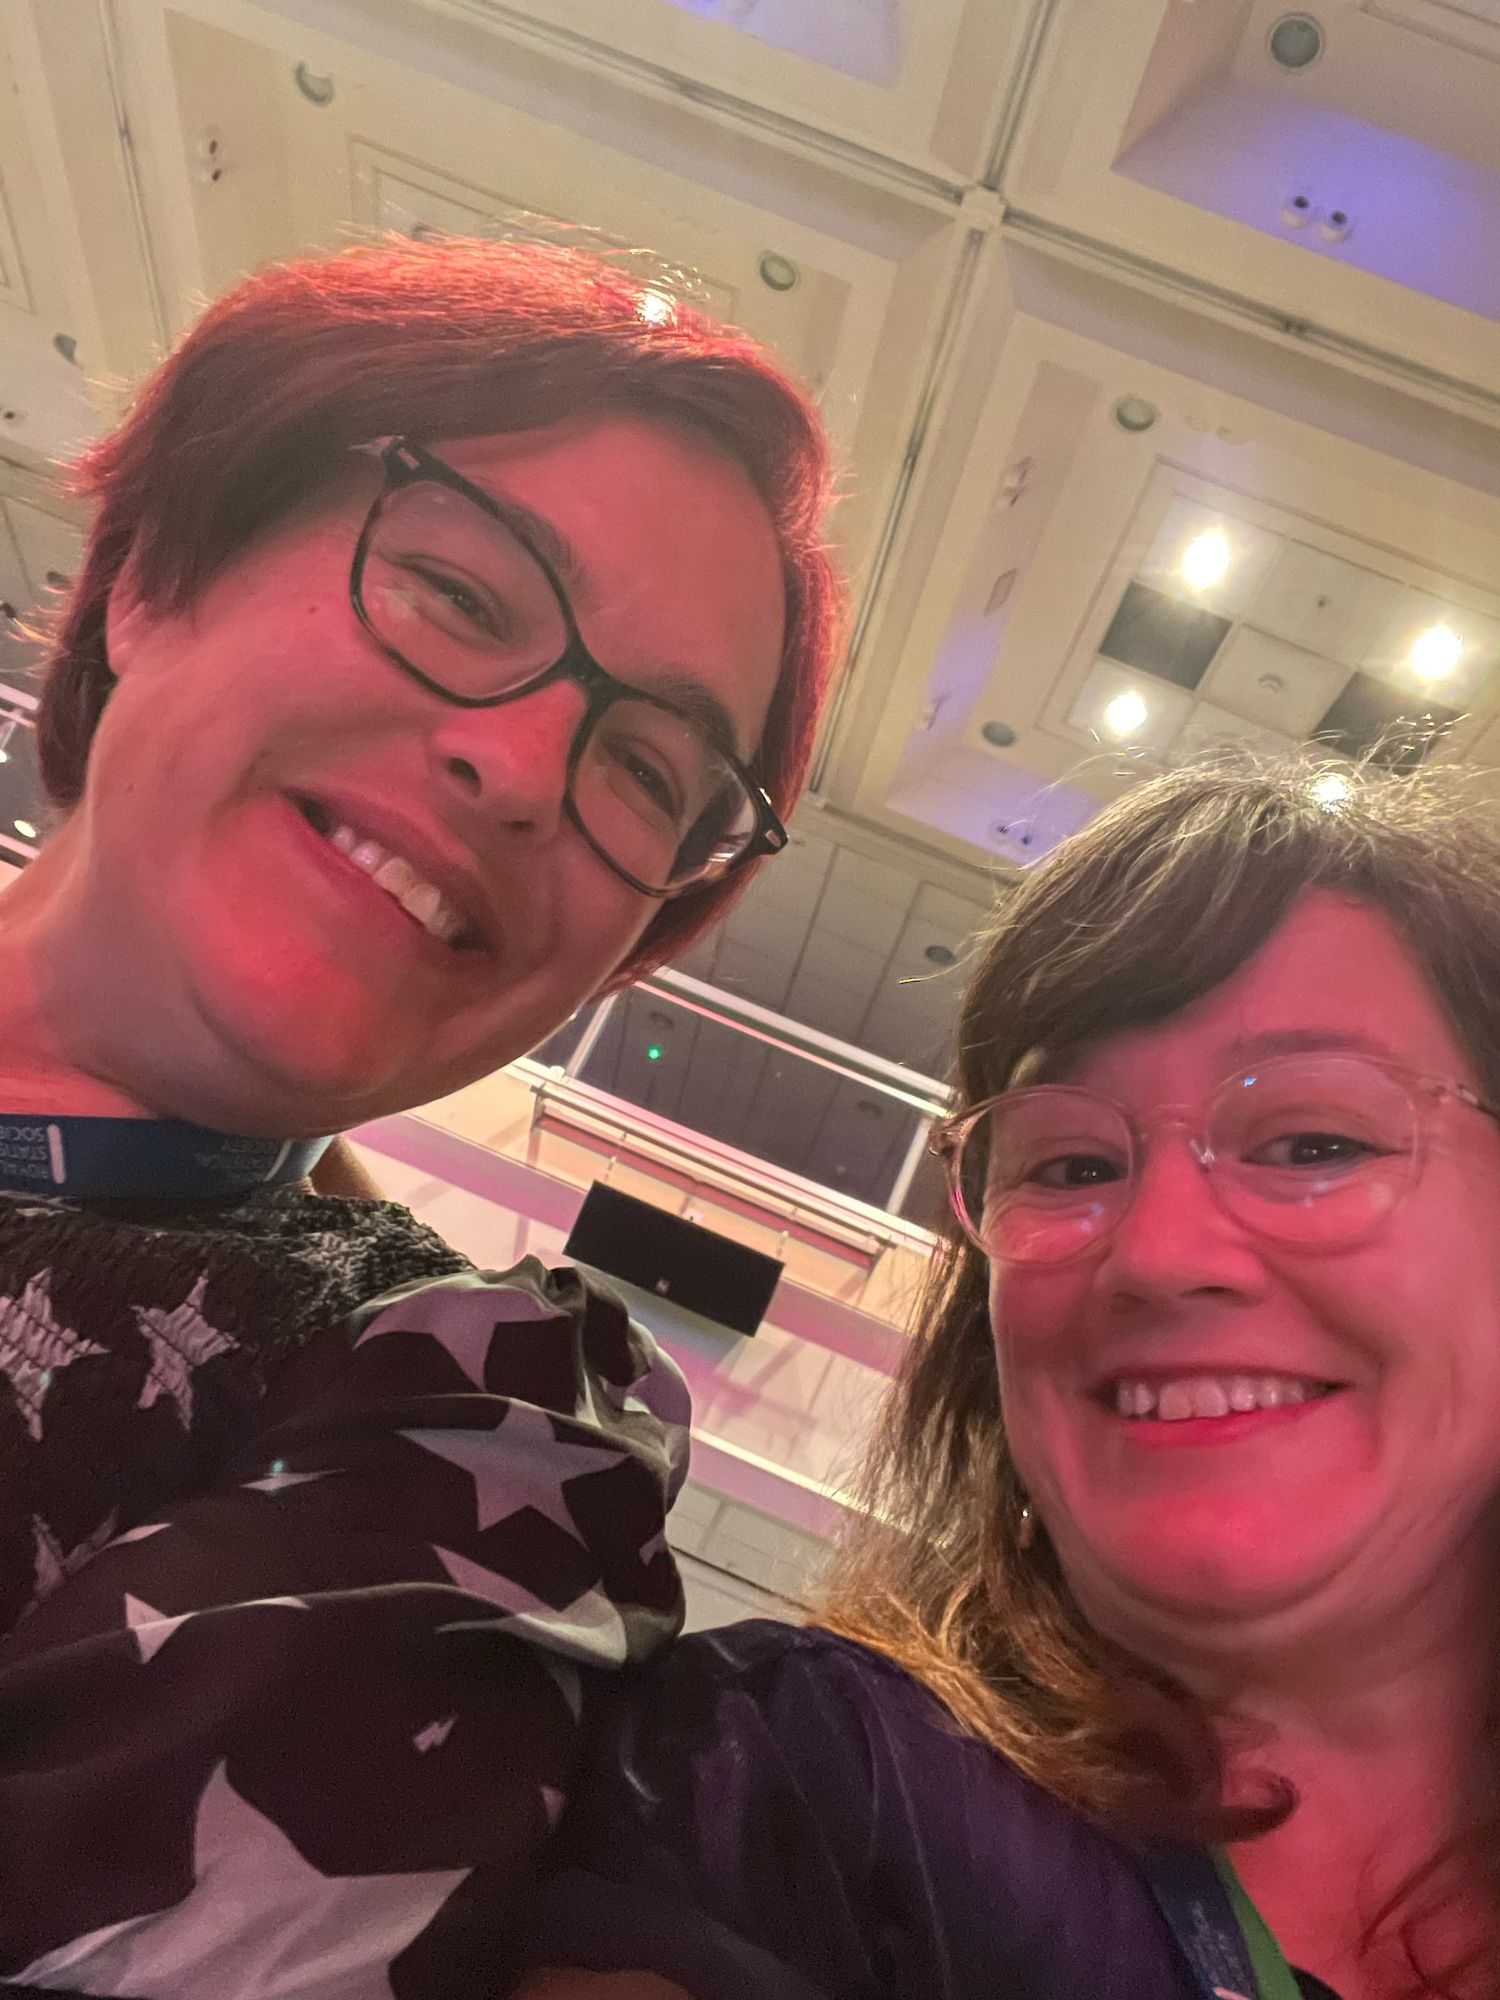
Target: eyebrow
{"points": [[1041, 1066], [697, 702], [1301, 1041], [551, 544]]}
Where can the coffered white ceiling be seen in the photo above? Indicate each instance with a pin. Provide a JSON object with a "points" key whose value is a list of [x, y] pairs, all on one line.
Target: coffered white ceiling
{"points": [[1165, 375]]}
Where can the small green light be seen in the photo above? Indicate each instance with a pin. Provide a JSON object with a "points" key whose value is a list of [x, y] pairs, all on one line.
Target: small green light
{"points": [[655, 1052]]}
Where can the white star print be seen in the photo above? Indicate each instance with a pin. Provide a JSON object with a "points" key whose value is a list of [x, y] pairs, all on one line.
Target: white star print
{"points": [[181, 1341], [277, 1482], [463, 1326], [51, 1562], [518, 1464], [34, 1346], [260, 1923], [47, 1562], [434, 1736], [590, 1628], [152, 1628]]}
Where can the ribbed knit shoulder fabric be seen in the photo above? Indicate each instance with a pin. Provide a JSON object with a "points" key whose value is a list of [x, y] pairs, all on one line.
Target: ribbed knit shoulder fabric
{"points": [[137, 1340]]}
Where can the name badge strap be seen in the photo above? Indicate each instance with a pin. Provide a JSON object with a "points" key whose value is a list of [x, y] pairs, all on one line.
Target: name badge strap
{"points": [[97, 1159], [1192, 1896]]}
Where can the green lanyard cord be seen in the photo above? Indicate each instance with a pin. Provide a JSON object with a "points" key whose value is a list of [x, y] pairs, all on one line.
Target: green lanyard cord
{"points": [[1273, 1975]]}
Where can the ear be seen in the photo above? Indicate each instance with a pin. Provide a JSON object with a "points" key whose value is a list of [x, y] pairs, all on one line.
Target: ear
{"points": [[128, 620]]}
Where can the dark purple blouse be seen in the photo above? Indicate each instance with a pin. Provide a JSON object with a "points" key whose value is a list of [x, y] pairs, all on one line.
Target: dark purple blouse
{"points": [[778, 1814]]}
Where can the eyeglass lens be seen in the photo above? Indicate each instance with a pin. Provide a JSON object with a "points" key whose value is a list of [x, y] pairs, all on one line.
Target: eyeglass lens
{"points": [[1311, 1150], [463, 601]]}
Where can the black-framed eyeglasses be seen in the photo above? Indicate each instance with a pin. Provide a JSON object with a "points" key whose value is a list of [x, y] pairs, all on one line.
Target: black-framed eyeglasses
{"points": [[1314, 1151], [455, 593]]}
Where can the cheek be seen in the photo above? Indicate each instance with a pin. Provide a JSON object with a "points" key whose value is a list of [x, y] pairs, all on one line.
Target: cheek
{"points": [[1033, 1315]]}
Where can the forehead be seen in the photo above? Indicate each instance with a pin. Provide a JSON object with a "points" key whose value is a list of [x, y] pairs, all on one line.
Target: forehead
{"points": [[1334, 970]]}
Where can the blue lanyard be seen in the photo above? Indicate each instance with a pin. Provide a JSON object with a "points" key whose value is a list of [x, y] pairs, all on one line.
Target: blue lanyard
{"points": [[1197, 1905], [151, 1159]]}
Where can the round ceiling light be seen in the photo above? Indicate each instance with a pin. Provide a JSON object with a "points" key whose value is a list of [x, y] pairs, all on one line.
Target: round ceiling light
{"points": [[940, 954], [1435, 653], [1128, 712], [1134, 413], [999, 733], [319, 90], [1295, 42], [779, 272]]}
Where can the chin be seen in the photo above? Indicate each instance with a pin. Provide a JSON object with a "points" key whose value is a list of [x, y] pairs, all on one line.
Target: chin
{"points": [[1229, 1563], [297, 1073]]}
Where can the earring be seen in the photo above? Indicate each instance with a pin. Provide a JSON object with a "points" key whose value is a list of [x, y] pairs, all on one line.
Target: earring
{"points": [[1027, 1533]]}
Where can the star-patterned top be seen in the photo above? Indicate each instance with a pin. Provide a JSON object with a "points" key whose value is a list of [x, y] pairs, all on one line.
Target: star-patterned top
{"points": [[304, 1729]]}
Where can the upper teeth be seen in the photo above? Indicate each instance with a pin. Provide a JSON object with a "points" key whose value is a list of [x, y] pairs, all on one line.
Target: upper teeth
{"points": [[1210, 1395], [395, 874]]}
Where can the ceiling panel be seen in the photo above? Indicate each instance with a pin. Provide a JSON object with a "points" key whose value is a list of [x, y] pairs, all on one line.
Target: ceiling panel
{"points": [[918, 78], [1265, 681], [1319, 602], [295, 138]]}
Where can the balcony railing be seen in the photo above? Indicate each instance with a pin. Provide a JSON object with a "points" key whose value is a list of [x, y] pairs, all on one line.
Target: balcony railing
{"points": [[720, 1083]]}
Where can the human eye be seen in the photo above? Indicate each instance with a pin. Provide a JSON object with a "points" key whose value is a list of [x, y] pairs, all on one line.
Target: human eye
{"points": [[645, 771], [460, 604], [1064, 1171], [1311, 1147]]}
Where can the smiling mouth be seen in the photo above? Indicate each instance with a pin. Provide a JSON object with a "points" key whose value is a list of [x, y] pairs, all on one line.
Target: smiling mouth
{"points": [[1179, 1398], [426, 905]]}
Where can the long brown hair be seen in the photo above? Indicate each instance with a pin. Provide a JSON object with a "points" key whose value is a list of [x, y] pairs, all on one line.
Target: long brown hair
{"points": [[1160, 899], [260, 403]]}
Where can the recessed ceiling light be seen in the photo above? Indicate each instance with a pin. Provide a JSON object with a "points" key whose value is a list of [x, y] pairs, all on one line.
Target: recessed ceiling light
{"points": [[24, 827], [1134, 413], [1435, 653], [940, 954], [999, 733], [1295, 42], [1127, 713], [1206, 559]]}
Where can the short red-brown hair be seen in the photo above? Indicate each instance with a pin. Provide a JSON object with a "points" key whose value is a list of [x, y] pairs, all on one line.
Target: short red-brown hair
{"points": [[259, 404]]}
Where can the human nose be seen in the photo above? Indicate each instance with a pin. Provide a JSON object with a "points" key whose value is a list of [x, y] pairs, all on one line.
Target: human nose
{"points": [[1174, 1241], [510, 764]]}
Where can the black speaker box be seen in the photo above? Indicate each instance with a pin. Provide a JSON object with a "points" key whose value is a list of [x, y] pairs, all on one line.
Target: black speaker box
{"points": [[679, 1260]]}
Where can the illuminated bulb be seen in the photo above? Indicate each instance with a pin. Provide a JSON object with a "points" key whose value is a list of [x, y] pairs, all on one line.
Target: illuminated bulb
{"points": [[24, 827], [1126, 713], [1206, 559], [655, 308], [1330, 790], [1435, 653]]}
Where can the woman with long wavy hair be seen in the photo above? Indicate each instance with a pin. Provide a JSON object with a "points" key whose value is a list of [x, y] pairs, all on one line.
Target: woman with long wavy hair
{"points": [[1162, 1663]]}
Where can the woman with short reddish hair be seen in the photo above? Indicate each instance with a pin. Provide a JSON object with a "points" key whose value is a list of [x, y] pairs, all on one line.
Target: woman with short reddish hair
{"points": [[448, 648]]}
